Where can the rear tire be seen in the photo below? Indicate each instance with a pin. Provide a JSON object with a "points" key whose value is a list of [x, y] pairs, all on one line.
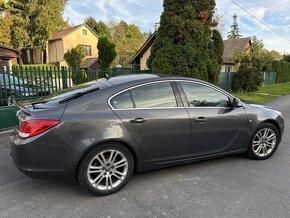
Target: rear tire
{"points": [[264, 142], [106, 169]]}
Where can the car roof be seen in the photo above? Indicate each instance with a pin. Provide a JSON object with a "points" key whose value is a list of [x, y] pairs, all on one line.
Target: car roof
{"points": [[139, 78]]}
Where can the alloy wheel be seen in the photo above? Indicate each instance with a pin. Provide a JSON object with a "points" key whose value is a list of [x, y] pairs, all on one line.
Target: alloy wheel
{"points": [[107, 170], [264, 142]]}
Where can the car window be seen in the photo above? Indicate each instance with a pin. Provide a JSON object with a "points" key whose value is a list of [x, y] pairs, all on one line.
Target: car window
{"points": [[199, 95], [154, 95], [122, 101]]}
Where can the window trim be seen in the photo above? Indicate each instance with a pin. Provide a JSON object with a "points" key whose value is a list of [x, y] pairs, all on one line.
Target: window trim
{"points": [[86, 47], [136, 86], [184, 97], [84, 32], [181, 93]]}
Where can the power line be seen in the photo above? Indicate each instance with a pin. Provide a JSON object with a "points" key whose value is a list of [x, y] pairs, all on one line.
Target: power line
{"points": [[271, 11], [260, 21], [275, 9]]}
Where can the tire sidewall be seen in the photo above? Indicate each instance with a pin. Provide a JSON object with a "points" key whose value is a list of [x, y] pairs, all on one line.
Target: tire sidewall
{"points": [[251, 152], [82, 171]]}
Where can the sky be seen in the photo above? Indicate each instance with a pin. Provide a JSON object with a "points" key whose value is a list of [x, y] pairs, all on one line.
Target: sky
{"points": [[266, 19]]}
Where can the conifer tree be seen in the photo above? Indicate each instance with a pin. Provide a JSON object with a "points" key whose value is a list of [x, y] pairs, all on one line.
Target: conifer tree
{"points": [[184, 42], [235, 32]]}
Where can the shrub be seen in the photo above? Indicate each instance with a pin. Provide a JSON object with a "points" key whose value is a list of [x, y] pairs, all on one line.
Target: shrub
{"points": [[248, 78]]}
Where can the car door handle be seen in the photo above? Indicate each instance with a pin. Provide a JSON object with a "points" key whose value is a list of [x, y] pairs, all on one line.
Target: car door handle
{"points": [[200, 120], [138, 120]]}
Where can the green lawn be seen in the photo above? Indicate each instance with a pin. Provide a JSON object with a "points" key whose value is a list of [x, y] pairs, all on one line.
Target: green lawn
{"points": [[265, 94], [277, 89], [254, 97]]}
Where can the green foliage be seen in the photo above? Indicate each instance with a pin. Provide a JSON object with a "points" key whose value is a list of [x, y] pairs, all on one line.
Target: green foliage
{"points": [[282, 68], [75, 57], [216, 56], [5, 29], [34, 21], [128, 40], [81, 77], [183, 44], [100, 28], [249, 76], [235, 32], [286, 58], [107, 52]]}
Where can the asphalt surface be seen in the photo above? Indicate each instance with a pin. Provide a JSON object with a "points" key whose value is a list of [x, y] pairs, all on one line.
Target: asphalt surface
{"points": [[232, 186]]}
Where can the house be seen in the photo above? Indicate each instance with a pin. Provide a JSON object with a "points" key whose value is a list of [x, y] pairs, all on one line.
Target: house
{"points": [[64, 40], [8, 56], [232, 47]]}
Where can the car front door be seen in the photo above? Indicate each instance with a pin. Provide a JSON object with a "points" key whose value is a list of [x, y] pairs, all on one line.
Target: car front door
{"points": [[152, 115], [217, 127]]}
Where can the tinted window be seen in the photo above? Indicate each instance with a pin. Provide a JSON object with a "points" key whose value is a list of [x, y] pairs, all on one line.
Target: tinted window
{"points": [[154, 95], [122, 101], [203, 96]]}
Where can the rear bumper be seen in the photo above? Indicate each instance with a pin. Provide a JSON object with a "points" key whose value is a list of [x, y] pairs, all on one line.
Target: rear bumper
{"points": [[40, 160]]}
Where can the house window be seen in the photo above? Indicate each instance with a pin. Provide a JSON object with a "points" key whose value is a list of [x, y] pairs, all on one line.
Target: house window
{"points": [[85, 32], [229, 68], [88, 49]]}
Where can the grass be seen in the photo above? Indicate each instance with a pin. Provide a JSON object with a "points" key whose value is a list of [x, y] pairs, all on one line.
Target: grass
{"points": [[277, 89], [254, 97], [265, 94]]}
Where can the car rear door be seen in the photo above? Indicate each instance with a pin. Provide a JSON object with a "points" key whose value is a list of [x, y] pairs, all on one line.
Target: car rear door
{"points": [[216, 125], [153, 116]]}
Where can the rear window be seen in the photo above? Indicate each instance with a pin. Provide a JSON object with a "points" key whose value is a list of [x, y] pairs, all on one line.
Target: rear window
{"points": [[66, 93]]}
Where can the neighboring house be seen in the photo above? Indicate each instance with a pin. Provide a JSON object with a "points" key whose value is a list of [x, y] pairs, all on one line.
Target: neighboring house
{"points": [[232, 47], [8, 56], [139, 61], [62, 41]]}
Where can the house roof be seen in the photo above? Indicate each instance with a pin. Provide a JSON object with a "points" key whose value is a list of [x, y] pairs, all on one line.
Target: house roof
{"points": [[234, 46], [90, 63], [8, 52], [145, 47], [63, 33]]}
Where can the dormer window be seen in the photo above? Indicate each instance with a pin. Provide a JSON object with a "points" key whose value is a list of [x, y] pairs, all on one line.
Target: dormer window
{"points": [[85, 32]]}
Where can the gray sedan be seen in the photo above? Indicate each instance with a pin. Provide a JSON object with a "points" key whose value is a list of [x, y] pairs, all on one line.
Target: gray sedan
{"points": [[103, 131]]}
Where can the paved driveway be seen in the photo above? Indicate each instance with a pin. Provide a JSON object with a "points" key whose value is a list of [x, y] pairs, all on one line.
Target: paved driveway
{"points": [[226, 187]]}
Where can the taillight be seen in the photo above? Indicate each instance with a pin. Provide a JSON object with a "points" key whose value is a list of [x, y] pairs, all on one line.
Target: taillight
{"points": [[31, 128]]}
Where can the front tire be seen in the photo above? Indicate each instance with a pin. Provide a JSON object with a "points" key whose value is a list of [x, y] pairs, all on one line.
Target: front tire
{"points": [[106, 169], [264, 142]]}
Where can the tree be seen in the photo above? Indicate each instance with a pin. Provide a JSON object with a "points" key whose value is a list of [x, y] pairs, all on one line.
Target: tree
{"points": [[100, 28], [249, 76], [183, 44], [107, 52], [216, 56], [218, 22], [5, 35], [257, 44], [286, 58], [74, 58], [235, 32], [128, 40], [34, 22]]}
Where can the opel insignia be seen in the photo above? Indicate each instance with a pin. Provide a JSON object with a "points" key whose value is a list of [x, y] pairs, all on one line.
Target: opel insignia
{"points": [[103, 131]]}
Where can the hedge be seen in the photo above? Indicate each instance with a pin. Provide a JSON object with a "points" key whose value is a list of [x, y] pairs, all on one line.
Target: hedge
{"points": [[282, 68]]}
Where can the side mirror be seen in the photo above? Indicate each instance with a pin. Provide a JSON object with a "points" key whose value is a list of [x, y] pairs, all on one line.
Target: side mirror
{"points": [[236, 103]]}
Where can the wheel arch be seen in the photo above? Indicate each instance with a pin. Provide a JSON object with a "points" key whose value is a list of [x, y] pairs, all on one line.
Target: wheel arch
{"points": [[274, 123], [90, 148]]}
